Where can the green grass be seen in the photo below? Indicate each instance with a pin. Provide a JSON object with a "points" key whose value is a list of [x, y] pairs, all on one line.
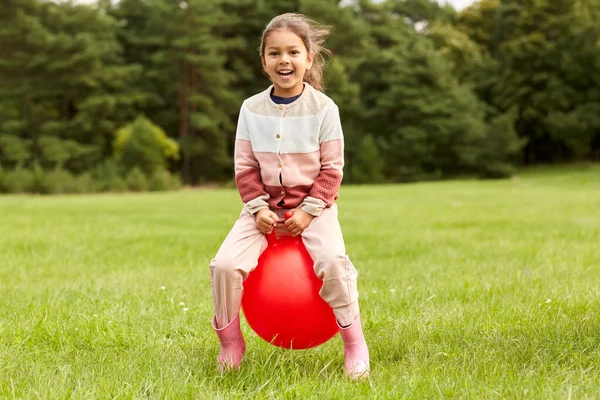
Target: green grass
{"points": [[469, 289]]}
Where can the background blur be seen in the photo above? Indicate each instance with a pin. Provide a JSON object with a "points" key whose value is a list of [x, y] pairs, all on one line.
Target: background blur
{"points": [[144, 94]]}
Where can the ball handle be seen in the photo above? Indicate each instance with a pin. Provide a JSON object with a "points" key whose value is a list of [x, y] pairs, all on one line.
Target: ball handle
{"points": [[271, 237]]}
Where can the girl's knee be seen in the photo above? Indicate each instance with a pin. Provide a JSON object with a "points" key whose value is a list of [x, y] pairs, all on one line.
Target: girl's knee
{"points": [[222, 265], [334, 266], [330, 259]]}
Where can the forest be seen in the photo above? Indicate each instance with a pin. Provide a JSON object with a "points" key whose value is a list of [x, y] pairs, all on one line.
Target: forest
{"points": [[145, 94]]}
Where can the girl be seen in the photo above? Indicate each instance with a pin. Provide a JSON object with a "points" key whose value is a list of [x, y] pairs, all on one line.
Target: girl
{"points": [[289, 156]]}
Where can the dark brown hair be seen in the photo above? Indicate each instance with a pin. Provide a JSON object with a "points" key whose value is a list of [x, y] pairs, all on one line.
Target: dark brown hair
{"points": [[312, 34]]}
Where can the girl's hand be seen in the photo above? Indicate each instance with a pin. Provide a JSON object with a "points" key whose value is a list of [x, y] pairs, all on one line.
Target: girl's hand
{"points": [[297, 223], [266, 220]]}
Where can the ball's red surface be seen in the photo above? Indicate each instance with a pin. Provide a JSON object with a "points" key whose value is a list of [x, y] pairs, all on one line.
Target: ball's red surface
{"points": [[281, 299]]}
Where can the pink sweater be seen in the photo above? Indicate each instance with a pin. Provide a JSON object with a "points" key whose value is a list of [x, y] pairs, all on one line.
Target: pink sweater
{"points": [[289, 156]]}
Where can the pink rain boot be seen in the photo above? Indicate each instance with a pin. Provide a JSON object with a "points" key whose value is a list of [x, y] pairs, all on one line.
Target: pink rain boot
{"points": [[356, 352], [233, 345]]}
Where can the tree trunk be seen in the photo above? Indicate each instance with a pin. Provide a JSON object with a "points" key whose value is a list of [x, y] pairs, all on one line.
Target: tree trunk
{"points": [[193, 105], [184, 117]]}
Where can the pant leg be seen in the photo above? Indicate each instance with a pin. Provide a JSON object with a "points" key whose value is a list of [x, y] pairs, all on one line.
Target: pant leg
{"points": [[236, 258], [325, 243]]}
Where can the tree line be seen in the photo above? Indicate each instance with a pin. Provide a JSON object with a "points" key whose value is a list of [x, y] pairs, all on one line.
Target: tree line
{"points": [[144, 94]]}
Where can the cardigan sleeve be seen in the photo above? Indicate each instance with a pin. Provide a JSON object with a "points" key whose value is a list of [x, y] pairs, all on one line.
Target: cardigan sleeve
{"points": [[325, 188], [247, 169]]}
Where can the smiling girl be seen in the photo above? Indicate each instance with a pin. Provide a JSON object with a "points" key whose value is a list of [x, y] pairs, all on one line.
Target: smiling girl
{"points": [[289, 155]]}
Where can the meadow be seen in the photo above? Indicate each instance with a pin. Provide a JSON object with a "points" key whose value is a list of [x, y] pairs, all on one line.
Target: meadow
{"points": [[468, 289]]}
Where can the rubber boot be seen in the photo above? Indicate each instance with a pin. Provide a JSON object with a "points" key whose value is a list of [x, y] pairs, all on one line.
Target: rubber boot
{"points": [[233, 345], [356, 352]]}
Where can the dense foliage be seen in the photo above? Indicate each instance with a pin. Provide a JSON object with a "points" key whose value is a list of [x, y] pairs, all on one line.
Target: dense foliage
{"points": [[144, 94]]}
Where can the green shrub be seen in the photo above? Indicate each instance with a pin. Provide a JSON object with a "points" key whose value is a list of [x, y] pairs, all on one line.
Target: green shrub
{"points": [[368, 163], [48, 182], [18, 180], [160, 180], [38, 185], [56, 182], [84, 183], [144, 145], [175, 182], [117, 184], [107, 177], [498, 149], [497, 171], [136, 180]]}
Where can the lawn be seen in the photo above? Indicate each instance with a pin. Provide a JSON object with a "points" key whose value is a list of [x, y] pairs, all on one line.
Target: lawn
{"points": [[468, 289]]}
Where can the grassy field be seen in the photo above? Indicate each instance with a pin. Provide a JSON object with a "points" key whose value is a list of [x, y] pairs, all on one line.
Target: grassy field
{"points": [[469, 289]]}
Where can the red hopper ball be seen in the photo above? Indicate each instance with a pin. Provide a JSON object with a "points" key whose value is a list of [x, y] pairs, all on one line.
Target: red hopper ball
{"points": [[281, 299]]}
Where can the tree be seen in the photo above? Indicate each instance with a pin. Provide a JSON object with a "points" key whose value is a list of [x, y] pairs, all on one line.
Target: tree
{"points": [[145, 146], [546, 56], [14, 150], [64, 78]]}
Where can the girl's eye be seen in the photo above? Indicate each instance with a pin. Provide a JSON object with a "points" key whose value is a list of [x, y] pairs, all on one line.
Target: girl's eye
{"points": [[273, 53], [295, 52]]}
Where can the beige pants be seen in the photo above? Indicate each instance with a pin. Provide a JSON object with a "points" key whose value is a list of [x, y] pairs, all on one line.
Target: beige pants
{"points": [[323, 239]]}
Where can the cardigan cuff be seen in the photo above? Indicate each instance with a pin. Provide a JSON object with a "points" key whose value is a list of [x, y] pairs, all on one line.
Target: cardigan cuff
{"points": [[313, 206], [253, 206]]}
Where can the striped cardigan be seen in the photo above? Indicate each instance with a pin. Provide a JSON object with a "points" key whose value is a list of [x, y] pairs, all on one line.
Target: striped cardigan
{"points": [[289, 156]]}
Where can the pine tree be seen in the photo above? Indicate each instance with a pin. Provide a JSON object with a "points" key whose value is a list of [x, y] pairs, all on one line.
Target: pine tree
{"points": [[546, 58], [68, 88]]}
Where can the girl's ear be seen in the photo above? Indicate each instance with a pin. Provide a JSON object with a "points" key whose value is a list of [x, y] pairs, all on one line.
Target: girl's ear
{"points": [[309, 59]]}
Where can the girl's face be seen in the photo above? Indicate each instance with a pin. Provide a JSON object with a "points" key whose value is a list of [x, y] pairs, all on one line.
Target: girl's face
{"points": [[286, 60]]}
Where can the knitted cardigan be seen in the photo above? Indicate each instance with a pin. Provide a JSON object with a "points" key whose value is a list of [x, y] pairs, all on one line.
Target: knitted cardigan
{"points": [[289, 156]]}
